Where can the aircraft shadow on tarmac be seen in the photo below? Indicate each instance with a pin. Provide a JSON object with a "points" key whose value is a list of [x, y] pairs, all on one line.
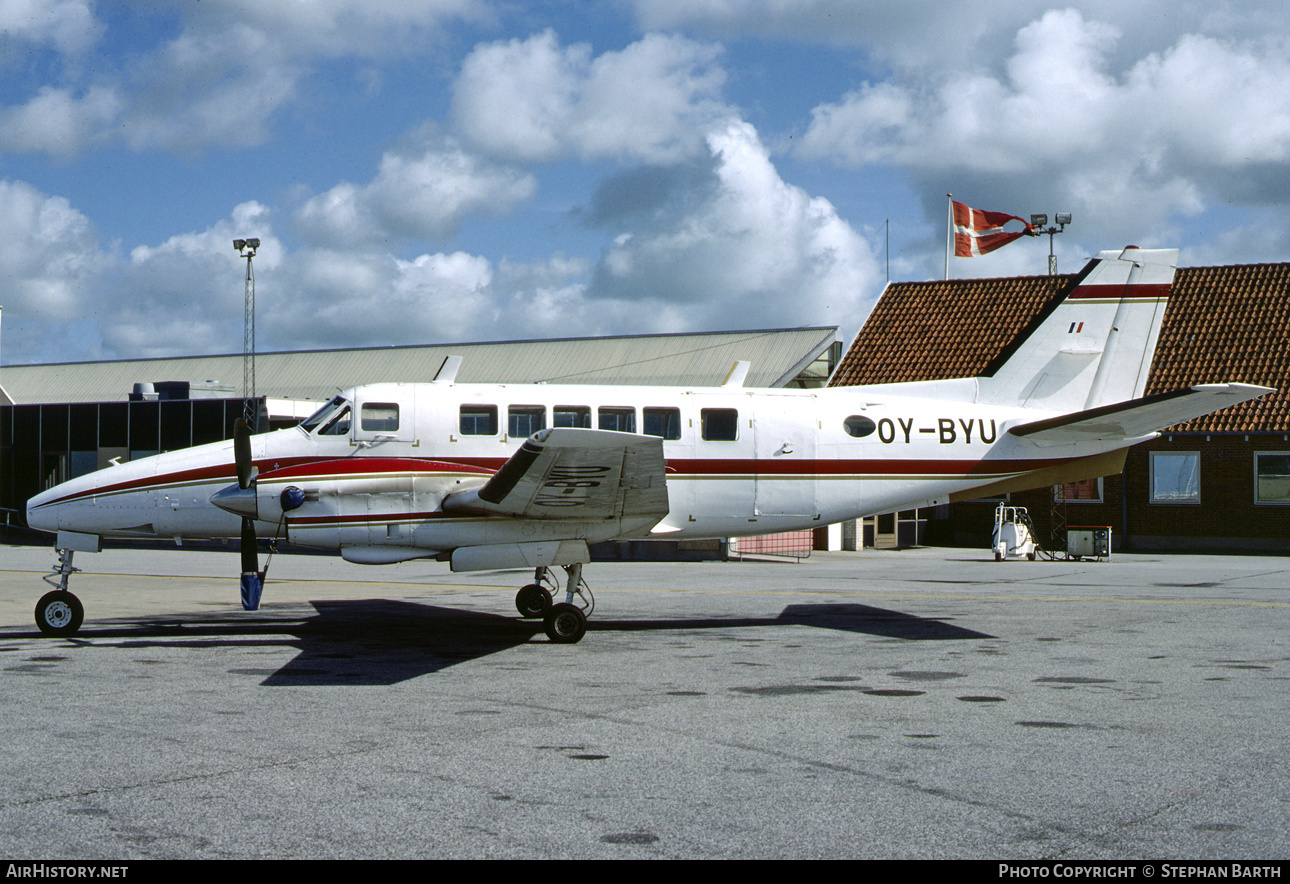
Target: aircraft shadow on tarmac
{"points": [[382, 642]]}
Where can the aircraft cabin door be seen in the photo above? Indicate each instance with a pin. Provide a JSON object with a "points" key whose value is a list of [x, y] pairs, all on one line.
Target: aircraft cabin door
{"points": [[784, 442]]}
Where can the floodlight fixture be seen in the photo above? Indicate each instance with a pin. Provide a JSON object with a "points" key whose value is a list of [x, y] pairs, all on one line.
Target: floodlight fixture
{"points": [[1037, 222]]}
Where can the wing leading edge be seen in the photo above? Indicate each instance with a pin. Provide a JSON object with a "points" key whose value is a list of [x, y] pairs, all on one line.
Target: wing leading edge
{"points": [[1137, 417]]}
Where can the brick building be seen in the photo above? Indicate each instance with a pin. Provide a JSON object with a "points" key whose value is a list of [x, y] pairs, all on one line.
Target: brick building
{"points": [[1220, 482]]}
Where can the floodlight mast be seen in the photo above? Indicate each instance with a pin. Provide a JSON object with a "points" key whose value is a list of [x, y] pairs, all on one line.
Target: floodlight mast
{"points": [[247, 249], [1061, 219]]}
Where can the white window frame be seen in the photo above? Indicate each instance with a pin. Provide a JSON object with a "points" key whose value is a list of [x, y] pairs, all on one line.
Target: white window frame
{"points": [[1193, 500], [1257, 501]]}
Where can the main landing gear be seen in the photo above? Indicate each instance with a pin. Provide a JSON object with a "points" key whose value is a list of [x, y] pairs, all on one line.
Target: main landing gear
{"points": [[59, 613], [565, 623]]}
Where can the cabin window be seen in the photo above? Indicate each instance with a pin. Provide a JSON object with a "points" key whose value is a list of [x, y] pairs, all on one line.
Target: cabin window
{"points": [[525, 420], [621, 419], [380, 417], [1175, 477], [478, 420], [338, 425], [859, 426], [578, 416], [664, 422], [719, 424]]}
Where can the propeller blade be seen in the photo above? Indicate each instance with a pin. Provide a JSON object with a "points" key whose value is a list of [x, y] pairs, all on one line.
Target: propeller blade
{"points": [[242, 453], [252, 580]]}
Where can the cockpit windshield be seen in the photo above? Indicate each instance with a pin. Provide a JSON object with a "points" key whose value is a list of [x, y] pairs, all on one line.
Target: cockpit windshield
{"points": [[322, 415]]}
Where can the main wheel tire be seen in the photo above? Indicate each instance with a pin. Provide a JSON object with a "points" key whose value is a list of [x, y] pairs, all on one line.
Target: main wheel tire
{"points": [[533, 601], [59, 613], [565, 624]]}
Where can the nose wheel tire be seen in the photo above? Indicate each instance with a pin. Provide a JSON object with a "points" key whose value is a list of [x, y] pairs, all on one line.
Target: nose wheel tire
{"points": [[59, 613], [533, 601], [564, 624]]}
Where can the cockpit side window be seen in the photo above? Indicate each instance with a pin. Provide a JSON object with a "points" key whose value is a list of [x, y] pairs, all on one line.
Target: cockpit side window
{"points": [[321, 415], [338, 425]]}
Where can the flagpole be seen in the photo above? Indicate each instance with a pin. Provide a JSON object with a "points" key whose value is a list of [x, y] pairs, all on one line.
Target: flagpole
{"points": [[949, 231]]}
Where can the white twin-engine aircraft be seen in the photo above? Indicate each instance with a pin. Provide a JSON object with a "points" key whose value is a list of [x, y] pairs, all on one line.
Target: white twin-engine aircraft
{"points": [[526, 476]]}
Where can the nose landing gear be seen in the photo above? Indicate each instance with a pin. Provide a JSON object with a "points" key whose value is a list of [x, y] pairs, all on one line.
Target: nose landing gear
{"points": [[59, 613]]}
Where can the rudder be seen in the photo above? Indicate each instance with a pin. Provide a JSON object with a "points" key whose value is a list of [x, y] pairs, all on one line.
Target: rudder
{"points": [[1095, 346]]}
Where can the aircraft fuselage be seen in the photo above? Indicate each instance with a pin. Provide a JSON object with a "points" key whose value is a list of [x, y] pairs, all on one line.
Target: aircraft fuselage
{"points": [[377, 466]]}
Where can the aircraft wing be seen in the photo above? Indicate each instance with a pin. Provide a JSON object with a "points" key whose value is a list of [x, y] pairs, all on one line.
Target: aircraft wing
{"points": [[567, 473], [1138, 417]]}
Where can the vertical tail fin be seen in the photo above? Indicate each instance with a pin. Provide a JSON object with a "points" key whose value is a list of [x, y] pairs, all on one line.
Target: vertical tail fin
{"points": [[1094, 346]]}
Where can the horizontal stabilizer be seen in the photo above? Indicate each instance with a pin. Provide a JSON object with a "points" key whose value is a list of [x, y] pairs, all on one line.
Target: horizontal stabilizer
{"points": [[568, 473], [1138, 417]]}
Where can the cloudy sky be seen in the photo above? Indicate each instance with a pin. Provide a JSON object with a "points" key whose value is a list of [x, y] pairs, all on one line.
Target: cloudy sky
{"points": [[458, 170]]}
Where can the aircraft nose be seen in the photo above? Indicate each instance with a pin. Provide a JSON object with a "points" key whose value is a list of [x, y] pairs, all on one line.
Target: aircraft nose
{"points": [[42, 512]]}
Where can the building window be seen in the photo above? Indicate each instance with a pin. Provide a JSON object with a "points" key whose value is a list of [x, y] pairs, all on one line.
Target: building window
{"points": [[1272, 477], [1175, 477], [1083, 491], [478, 420]]}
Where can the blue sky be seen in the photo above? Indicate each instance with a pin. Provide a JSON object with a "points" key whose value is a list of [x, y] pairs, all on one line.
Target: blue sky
{"points": [[458, 170]]}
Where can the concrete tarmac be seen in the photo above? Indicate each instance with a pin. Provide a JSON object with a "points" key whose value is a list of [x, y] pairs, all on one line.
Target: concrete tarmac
{"points": [[917, 704]]}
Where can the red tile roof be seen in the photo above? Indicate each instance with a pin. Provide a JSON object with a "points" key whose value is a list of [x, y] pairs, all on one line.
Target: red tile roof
{"points": [[1222, 324]]}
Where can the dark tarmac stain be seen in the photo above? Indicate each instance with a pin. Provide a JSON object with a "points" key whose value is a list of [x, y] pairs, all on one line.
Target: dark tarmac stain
{"points": [[687, 693], [839, 678], [32, 668], [587, 756], [1047, 639], [922, 736], [629, 838], [1049, 724], [1072, 679], [1244, 666], [46, 659], [927, 676], [789, 690], [893, 692], [981, 699]]}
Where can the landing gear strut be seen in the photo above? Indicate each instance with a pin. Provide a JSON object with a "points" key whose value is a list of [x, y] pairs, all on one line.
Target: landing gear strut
{"points": [[565, 623], [59, 613]]}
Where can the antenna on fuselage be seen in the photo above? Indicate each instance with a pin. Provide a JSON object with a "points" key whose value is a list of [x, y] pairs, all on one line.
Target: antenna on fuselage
{"points": [[447, 372], [738, 374]]}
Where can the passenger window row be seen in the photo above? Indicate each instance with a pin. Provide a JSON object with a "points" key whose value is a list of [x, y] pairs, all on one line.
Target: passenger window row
{"points": [[716, 424]]}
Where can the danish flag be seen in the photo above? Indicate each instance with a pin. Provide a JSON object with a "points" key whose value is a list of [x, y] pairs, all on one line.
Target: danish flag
{"points": [[978, 233]]}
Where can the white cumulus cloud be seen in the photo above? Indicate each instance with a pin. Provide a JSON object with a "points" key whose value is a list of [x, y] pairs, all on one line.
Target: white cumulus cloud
{"points": [[534, 100]]}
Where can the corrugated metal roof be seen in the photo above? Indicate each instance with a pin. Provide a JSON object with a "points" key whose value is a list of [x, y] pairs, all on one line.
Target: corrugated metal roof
{"points": [[777, 356], [1227, 323]]}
